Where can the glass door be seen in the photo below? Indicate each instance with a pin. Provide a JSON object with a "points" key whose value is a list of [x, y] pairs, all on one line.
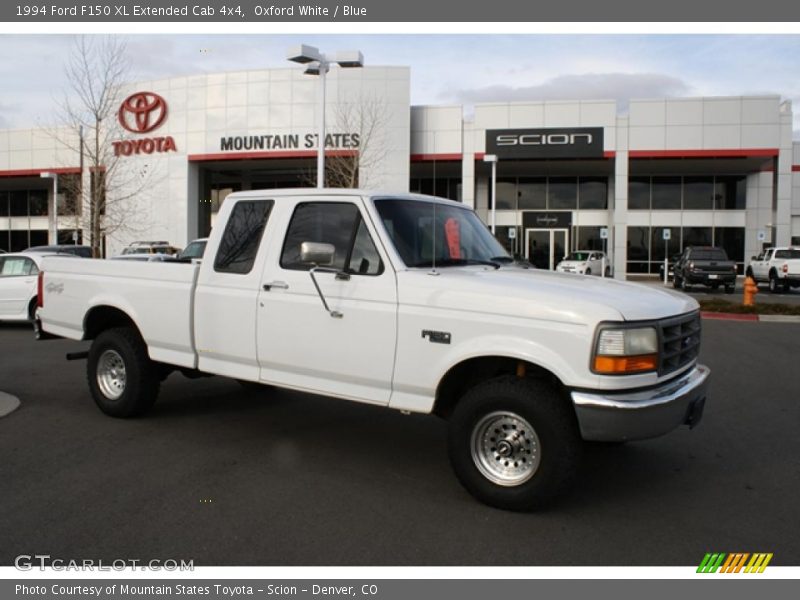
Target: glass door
{"points": [[545, 248]]}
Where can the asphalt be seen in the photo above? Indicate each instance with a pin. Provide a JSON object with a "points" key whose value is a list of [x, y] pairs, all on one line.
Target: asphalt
{"points": [[225, 477]]}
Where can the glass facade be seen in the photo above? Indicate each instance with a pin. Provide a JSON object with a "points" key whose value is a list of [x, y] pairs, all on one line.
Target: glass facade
{"points": [[646, 245], [695, 192], [551, 193], [443, 187], [22, 204]]}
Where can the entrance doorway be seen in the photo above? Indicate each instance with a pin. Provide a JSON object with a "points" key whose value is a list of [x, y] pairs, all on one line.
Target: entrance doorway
{"points": [[545, 248]]}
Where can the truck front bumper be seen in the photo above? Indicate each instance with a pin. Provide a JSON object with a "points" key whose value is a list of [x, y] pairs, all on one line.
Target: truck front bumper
{"points": [[644, 413]]}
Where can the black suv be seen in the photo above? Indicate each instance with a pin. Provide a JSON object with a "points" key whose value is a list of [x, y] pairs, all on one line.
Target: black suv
{"points": [[704, 265]]}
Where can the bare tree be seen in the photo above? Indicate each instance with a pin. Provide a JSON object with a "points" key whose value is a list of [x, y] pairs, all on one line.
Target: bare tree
{"points": [[97, 70], [364, 120]]}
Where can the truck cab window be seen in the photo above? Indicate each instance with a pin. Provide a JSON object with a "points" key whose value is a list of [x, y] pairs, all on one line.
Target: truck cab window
{"points": [[242, 237], [339, 224]]}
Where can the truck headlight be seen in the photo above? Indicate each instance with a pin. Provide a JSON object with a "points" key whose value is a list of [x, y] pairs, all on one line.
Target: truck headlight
{"points": [[626, 350]]}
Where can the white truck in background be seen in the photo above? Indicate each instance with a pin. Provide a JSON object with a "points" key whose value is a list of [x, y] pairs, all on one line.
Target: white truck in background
{"points": [[399, 300], [778, 267]]}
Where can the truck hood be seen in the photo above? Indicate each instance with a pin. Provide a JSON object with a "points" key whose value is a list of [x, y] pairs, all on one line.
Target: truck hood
{"points": [[533, 293]]}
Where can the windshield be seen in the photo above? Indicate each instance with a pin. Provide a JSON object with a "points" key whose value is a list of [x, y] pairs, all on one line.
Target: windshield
{"points": [[578, 256], [428, 232]]}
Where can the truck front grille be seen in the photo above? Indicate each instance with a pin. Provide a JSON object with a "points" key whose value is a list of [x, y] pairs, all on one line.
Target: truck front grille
{"points": [[680, 342]]}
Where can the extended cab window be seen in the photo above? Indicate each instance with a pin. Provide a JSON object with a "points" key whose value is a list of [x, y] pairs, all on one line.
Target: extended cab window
{"points": [[242, 236], [339, 224], [16, 266]]}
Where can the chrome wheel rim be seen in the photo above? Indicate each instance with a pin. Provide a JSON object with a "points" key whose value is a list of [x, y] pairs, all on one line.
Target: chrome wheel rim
{"points": [[111, 374], [505, 448]]}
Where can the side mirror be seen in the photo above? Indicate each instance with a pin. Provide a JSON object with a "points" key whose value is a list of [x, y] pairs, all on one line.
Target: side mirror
{"points": [[317, 253]]}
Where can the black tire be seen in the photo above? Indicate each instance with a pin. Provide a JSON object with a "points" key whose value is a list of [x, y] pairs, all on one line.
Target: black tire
{"points": [[729, 289], [115, 350], [676, 282], [32, 309], [588, 271], [608, 271], [773, 284], [715, 286], [749, 272], [553, 448]]}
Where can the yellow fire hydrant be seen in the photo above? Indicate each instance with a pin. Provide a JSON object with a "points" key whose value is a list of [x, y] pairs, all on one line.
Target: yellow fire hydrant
{"points": [[750, 291]]}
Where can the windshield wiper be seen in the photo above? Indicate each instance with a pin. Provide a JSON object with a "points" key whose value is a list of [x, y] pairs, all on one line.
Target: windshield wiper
{"points": [[457, 262]]}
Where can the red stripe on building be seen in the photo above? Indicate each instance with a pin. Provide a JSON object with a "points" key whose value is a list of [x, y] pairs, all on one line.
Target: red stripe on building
{"points": [[268, 155], [606, 154], [795, 168], [37, 172], [738, 153], [437, 157]]}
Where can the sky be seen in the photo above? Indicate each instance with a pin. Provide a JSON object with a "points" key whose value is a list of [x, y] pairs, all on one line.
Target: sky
{"points": [[445, 68]]}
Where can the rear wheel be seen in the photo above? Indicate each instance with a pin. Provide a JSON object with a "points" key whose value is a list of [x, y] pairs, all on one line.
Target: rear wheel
{"points": [[123, 381], [715, 286], [676, 282], [32, 308], [514, 443], [608, 271], [729, 289]]}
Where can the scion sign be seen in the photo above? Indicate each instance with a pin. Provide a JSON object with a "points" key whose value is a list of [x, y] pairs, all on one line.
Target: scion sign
{"points": [[584, 142]]}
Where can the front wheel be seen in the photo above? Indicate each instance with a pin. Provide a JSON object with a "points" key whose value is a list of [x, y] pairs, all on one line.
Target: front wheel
{"points": [[588, 271], [773, 284], [123, 381], [514, 443]]}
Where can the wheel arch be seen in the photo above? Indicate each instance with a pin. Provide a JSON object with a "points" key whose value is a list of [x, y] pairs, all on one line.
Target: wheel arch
{"points": [[474, 370], [103, 317]]}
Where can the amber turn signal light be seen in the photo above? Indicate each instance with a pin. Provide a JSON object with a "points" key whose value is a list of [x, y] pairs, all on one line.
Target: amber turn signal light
{"points": [[610, 365]]}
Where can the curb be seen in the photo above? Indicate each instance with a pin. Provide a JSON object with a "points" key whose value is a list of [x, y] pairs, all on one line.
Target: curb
{"points": [[720, 316], [8, 404]]}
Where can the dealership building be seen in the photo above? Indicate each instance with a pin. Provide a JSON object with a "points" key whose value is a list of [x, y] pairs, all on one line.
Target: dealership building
{"points": [[640, 181]]}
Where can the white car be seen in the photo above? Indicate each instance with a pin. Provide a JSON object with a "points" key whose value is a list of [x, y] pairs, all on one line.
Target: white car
{"points": [[585, 262], [18, 271]]}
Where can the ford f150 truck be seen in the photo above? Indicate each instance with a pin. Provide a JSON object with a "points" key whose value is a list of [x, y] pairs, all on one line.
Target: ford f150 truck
{"points": [[399, 300], [779, 267]]}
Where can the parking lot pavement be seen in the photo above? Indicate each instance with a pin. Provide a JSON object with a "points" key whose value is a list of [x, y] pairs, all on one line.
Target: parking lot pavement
{"points": [[763, 296], [225, 477]]}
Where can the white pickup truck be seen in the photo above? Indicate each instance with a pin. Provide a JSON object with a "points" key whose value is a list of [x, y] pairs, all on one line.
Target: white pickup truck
{"points": [[399, 300], [779, 267]]}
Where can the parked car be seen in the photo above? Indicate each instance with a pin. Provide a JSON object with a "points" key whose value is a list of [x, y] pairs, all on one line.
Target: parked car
{"points": [[18, 291], [151, 248], [704, 265], [779, 267], [585, 262], [404, 301], [194, 250], [74, 249]]}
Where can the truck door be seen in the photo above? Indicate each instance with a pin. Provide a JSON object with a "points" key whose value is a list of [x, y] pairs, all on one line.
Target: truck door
{"points": [[226, 298], [348, 349]]}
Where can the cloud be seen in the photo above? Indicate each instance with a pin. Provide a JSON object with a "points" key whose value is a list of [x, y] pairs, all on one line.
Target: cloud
{"points": [[589, 86]]}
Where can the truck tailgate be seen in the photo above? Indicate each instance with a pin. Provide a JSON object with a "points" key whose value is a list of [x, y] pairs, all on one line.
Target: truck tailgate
{"points": [[158, 298]]}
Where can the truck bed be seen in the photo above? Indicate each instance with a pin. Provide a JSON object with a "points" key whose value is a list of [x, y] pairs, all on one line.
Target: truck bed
{"points": [[158, 297]]}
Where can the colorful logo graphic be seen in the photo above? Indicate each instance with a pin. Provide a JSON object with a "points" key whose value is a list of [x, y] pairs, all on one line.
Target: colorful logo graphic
{"points": [[142, 112], [735, 562]]}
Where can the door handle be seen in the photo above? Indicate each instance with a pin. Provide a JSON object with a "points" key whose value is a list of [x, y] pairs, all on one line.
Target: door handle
{"points": [[278, 285]]}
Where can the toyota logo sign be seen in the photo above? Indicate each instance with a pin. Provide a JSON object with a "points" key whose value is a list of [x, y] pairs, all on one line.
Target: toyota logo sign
{"points": [[142, 112]]}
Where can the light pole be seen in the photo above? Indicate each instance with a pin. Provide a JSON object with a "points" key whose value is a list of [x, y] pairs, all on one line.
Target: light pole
{"points": [[318, 64], [53, 210], [492, 158]]}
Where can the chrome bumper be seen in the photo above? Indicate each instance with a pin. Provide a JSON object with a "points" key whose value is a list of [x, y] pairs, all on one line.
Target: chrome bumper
{"points": [[641, 414]]}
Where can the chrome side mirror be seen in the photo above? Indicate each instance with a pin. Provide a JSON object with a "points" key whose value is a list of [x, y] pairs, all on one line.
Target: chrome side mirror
{"points": [[317, 253]]}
